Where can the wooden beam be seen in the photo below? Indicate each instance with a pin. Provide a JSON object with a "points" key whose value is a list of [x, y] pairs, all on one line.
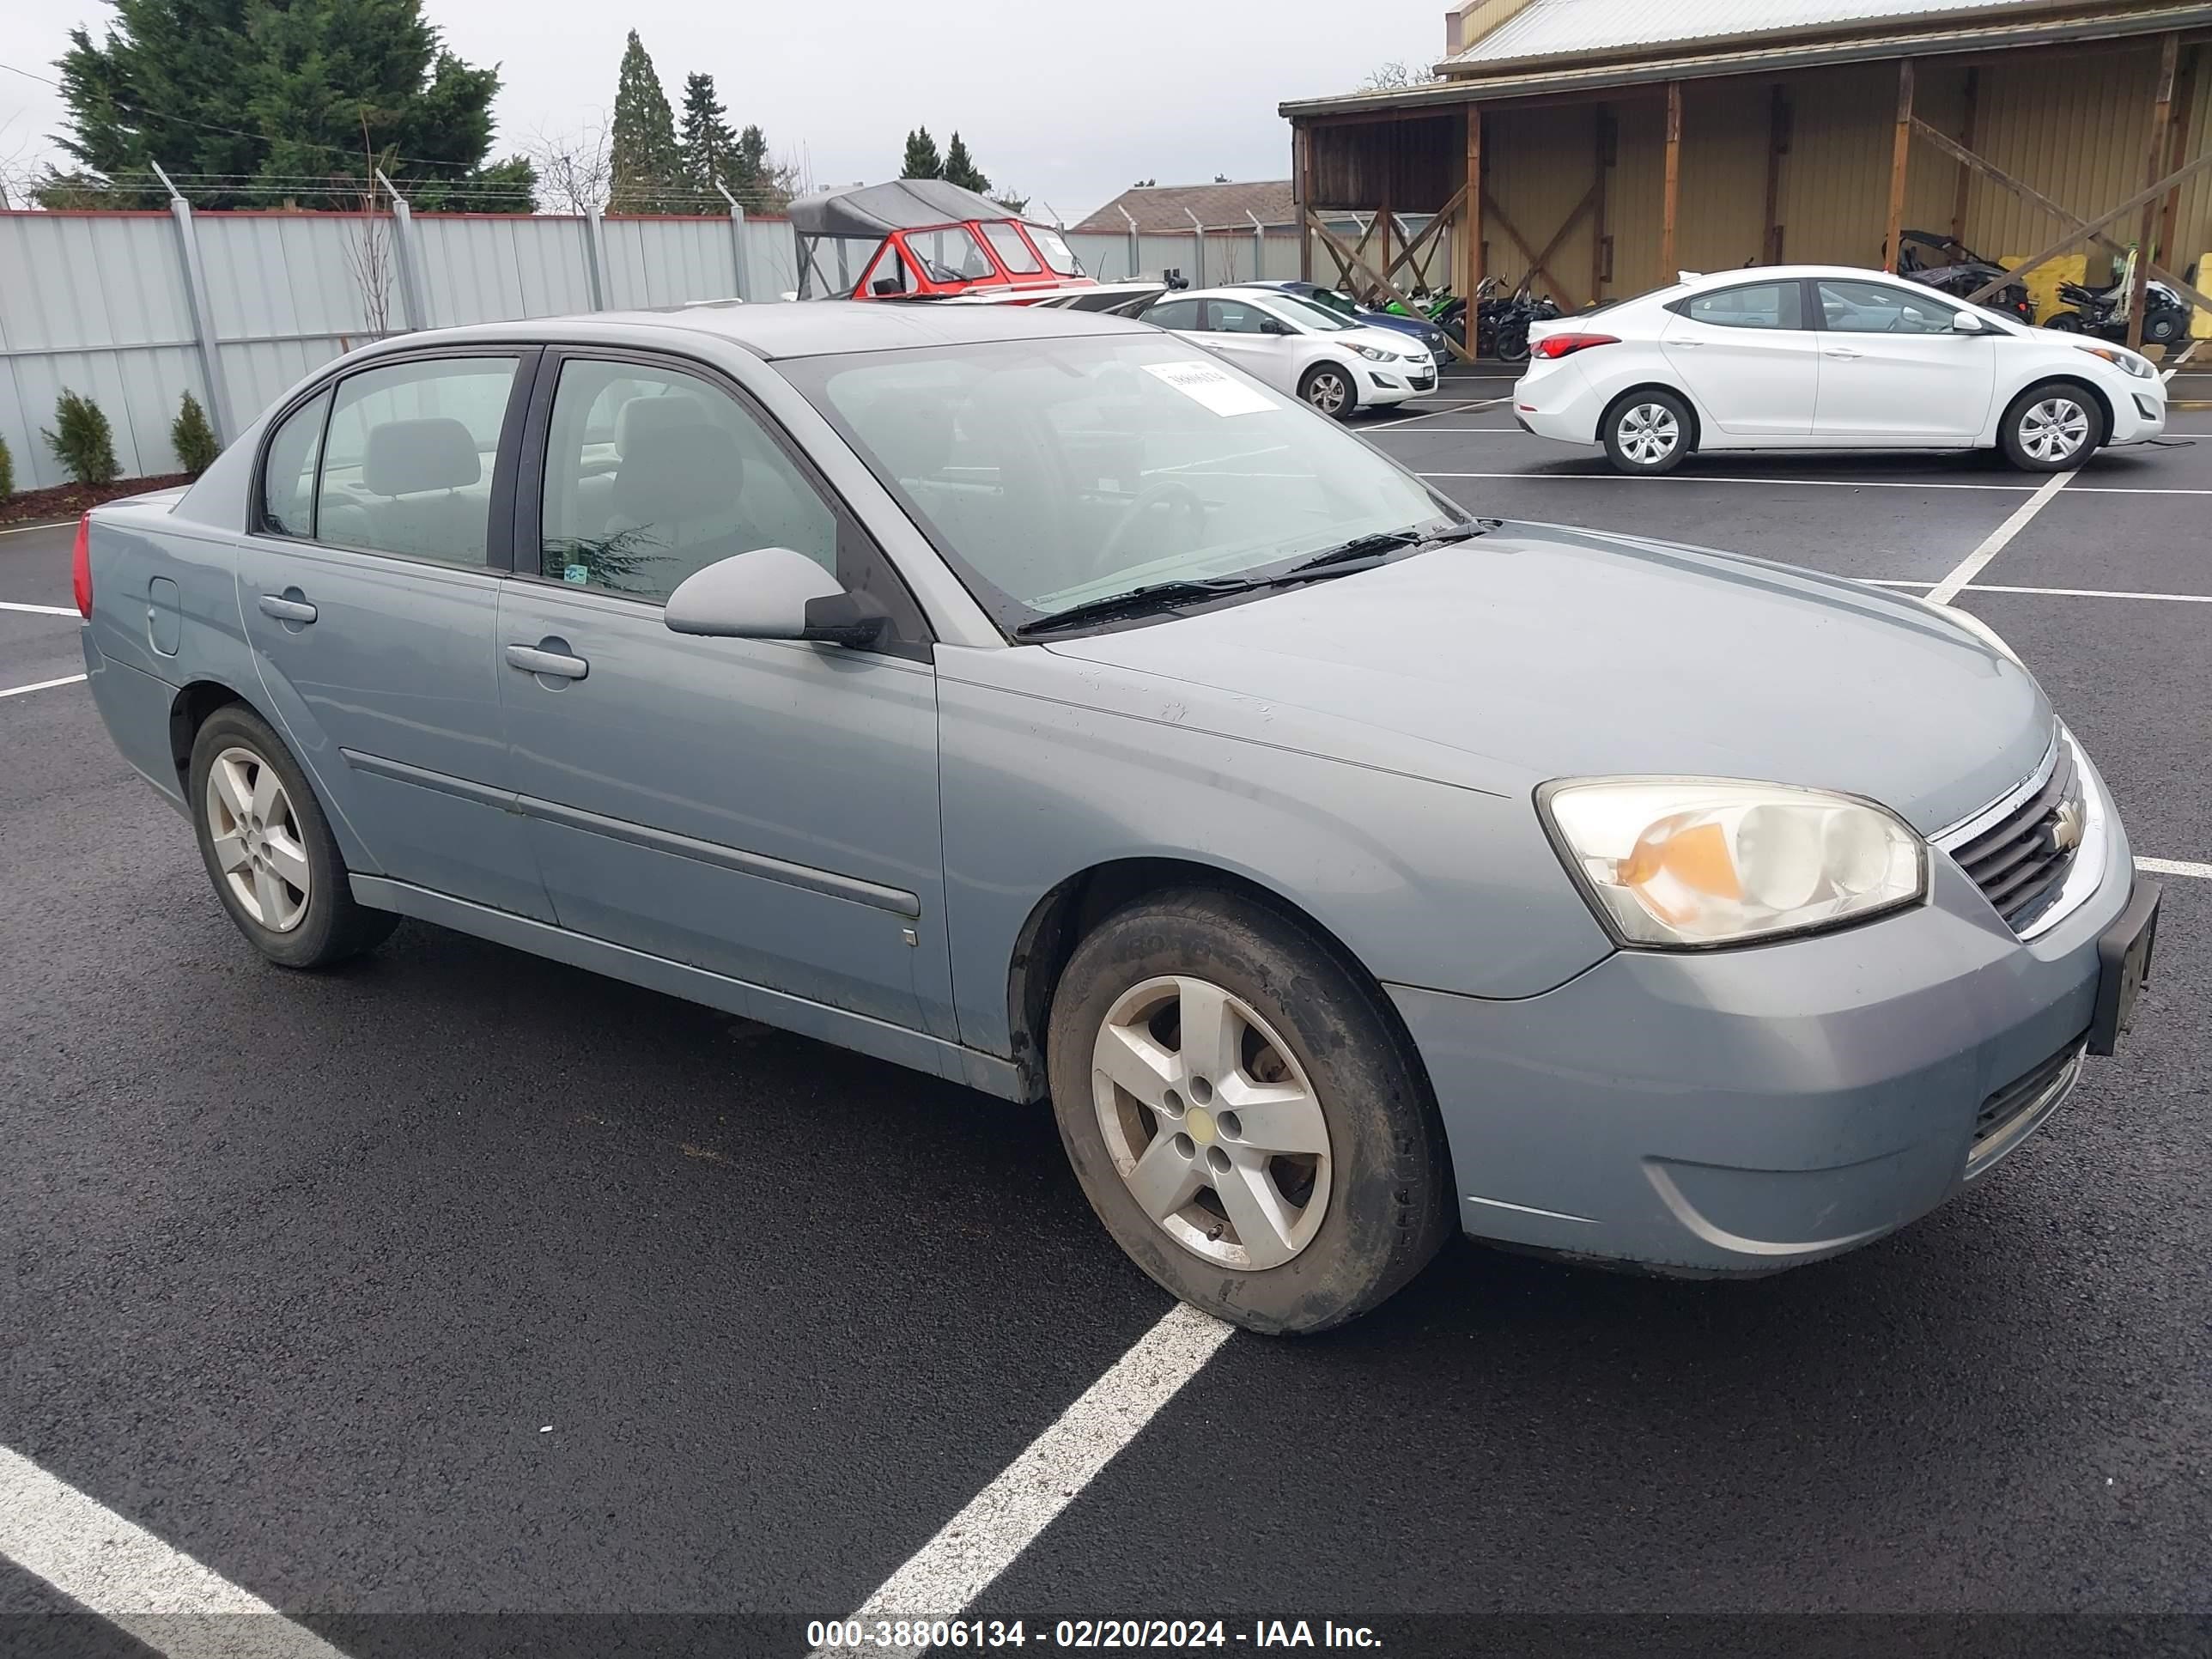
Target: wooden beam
{"points": [[1598, 162], [2185, 101], [1540, 263], [1900, 149], [1302, 179], [1431, 232], [1383, 224], [1967, 141], [2083, 229], [1331, 240], [1778, 142], [1670, 201], [2161, 115], [1471, 228]]}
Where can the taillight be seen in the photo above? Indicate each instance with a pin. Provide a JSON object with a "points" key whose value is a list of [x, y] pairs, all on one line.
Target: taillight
{"points": [[1565, 345], [81, 566]]}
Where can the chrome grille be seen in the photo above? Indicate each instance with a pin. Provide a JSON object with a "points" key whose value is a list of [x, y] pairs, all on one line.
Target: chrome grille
{"points": [[2019, 861]]}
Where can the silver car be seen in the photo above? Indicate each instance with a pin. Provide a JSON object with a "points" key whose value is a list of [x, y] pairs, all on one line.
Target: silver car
{"points": [[1030, 698]]}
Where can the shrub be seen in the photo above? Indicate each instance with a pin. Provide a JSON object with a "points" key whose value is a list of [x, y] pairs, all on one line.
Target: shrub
{"points": [[85, 444], [192, 438], [7, 471]]}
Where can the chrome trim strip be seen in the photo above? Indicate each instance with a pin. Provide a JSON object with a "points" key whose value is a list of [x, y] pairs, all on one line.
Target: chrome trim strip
{"points": [[443, 783], [2085, 873], [2027, 1119], [1530, 1209], [827, 882], [2003, 807]]}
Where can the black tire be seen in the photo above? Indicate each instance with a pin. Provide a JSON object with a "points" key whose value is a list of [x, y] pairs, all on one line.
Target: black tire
{"points": [[1389, 1205], [2039, 409], [1313, 386], [2066, 322], [1513, 345], [332, 926], [2164, 327], [1647, 433]]}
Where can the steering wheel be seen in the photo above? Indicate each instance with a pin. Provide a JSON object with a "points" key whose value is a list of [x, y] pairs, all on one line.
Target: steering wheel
{"points": [[1171, 495]]}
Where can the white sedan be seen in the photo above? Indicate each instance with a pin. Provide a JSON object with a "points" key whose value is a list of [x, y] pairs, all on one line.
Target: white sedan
{"points": [[1827, 357], [1336, 366]]}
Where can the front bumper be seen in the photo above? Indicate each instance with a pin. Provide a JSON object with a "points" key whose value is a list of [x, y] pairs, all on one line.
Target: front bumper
{"points": [[1393, 383], [2138, 412], [1742, 1111]]}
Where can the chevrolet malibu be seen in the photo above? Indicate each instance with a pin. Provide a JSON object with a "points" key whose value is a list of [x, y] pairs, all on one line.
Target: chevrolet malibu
{"points": [[1033, 701]]}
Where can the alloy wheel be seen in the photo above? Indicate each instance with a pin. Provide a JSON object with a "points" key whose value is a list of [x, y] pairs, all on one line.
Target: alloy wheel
{"points": [[1327, 391], [2053, 429], [1212, 1122], [1648, 433], [257, 840]]}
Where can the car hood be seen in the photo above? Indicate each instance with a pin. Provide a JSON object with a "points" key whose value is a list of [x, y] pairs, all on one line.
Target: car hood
{"points": [[1538, 652]]}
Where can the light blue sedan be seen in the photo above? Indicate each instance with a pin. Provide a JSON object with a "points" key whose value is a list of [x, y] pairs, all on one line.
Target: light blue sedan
{"points": [[1031, 699]]}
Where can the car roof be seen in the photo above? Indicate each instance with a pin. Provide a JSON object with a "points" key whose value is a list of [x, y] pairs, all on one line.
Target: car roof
{"points": [[1774, 273], [806, 328]]}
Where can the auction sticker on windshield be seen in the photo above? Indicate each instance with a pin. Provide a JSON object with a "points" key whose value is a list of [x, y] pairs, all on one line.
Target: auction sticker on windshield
{"points": [[1204, 384]]}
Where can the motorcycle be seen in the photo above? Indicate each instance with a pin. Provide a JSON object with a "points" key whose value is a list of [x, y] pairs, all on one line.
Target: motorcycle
{"points": [[1513, 317], [1956, 270], [2096, 312]]}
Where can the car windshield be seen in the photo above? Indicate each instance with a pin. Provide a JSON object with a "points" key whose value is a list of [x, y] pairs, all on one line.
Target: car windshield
{"points": [[1013, 252], [1053, 246], [1052, 473], [1309, 314]]}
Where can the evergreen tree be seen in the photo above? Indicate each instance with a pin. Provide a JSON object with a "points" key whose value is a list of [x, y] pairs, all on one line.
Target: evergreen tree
{"points": [[960, 167], [922, 160], [647, 162], [711, 156], [273, 99]]}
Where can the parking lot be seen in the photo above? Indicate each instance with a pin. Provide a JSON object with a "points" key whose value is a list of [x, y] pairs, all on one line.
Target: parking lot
{"points": [[459, 1283]]}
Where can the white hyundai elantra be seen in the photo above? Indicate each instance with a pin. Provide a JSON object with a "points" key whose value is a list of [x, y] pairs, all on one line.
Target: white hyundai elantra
{"points": [[1337, 367], [1827, 357]]}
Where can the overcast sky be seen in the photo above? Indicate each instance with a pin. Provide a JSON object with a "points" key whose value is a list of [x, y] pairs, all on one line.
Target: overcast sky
{"points": [[1068, 104]]}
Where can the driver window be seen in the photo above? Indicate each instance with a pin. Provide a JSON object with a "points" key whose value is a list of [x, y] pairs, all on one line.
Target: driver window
{"points": [[652, 474], [1849, 308], [1234, 316]]}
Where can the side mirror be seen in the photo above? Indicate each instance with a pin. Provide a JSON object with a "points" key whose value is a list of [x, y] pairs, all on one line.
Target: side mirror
{"points": [[1271, 325], [1965, 322], [772, 594]]}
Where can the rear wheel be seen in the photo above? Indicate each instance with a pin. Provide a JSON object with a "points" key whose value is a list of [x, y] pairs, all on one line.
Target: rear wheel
{"points": [[2066, 322], [1647, 432], [1329, 388], [268, 848], [1242, 1115], [1513, 344], [2163, 327], [2051, 427]]}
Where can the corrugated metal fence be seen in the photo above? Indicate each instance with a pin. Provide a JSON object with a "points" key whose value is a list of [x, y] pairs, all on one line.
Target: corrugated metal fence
{"points": [[135, 309]]}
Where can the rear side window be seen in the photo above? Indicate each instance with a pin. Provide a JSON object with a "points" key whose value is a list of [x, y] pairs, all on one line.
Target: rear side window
{"points": [[1755, 305], [1173, 314], [407, 465], [288, 476]]}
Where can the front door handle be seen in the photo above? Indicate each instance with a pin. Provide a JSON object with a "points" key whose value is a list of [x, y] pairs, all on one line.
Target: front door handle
{"points": [[287, 610], [554, 665], [1843, 354]]}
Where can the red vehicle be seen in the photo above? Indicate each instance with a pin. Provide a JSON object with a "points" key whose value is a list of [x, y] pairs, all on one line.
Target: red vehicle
{"points": [[918, 238]]}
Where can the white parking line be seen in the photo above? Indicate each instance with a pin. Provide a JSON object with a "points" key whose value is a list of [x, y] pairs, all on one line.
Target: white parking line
{"points": [[1996, 541], [980, 1542], [26, 529], [2176, 868], [1696, 478], [40, 686], [1456, 409], [2047, 592], [132, 1579], [40, 610]]}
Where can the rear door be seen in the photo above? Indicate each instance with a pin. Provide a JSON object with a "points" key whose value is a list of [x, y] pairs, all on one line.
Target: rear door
{"points": [[1894, 370], [1749, 356], [369, 589]]}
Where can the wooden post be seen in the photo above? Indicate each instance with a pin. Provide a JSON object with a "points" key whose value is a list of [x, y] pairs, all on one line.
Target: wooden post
{"points": [[1470, 257], [2185, 101], [1901, 147], [1597, 223], [1302, 187], [2161, 113], [1966, 173], [1777, 144], [1383, 226], [1670, 201]]}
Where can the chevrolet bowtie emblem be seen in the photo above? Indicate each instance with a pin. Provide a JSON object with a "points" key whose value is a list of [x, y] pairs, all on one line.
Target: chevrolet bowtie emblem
{"points": [[2066, 826]]}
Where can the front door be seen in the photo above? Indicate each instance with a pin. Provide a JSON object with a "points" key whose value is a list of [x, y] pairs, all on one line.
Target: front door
{"points": [[370, 597], [1893, 368], [1749, 357], [764, 810], [1260, 344]]}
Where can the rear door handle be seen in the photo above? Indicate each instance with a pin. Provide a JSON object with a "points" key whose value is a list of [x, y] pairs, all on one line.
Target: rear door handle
{"points": [[1686, 345], [284, 609], [555, 665]]}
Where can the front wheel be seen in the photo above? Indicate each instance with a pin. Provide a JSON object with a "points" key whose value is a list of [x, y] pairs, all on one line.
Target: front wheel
{"points": [[1242, 1115], [2051, 427], [268, 848], [1513, 345], [2163, 327], [2067, 322], [1647, 432], [1329, 388]]}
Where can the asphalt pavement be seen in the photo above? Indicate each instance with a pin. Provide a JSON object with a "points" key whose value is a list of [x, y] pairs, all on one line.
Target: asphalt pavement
{"points": [[460, 1302]]}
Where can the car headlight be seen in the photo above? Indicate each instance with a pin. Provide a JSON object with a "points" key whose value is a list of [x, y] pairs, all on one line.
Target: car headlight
{"points": [[1377, 354], [2126, 361], [1686, 863]]}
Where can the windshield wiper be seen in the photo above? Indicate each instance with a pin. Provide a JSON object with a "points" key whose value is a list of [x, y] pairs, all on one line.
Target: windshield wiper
{"points": [[1138, 601], [1390, 541]]}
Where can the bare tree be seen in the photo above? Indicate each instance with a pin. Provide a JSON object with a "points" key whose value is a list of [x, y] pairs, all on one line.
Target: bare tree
{"points": [[1390, 77], [575, 170], [368, 248]]}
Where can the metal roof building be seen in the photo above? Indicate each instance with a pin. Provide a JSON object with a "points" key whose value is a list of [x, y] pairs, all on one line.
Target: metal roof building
{"points": [[1600, 145]]}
